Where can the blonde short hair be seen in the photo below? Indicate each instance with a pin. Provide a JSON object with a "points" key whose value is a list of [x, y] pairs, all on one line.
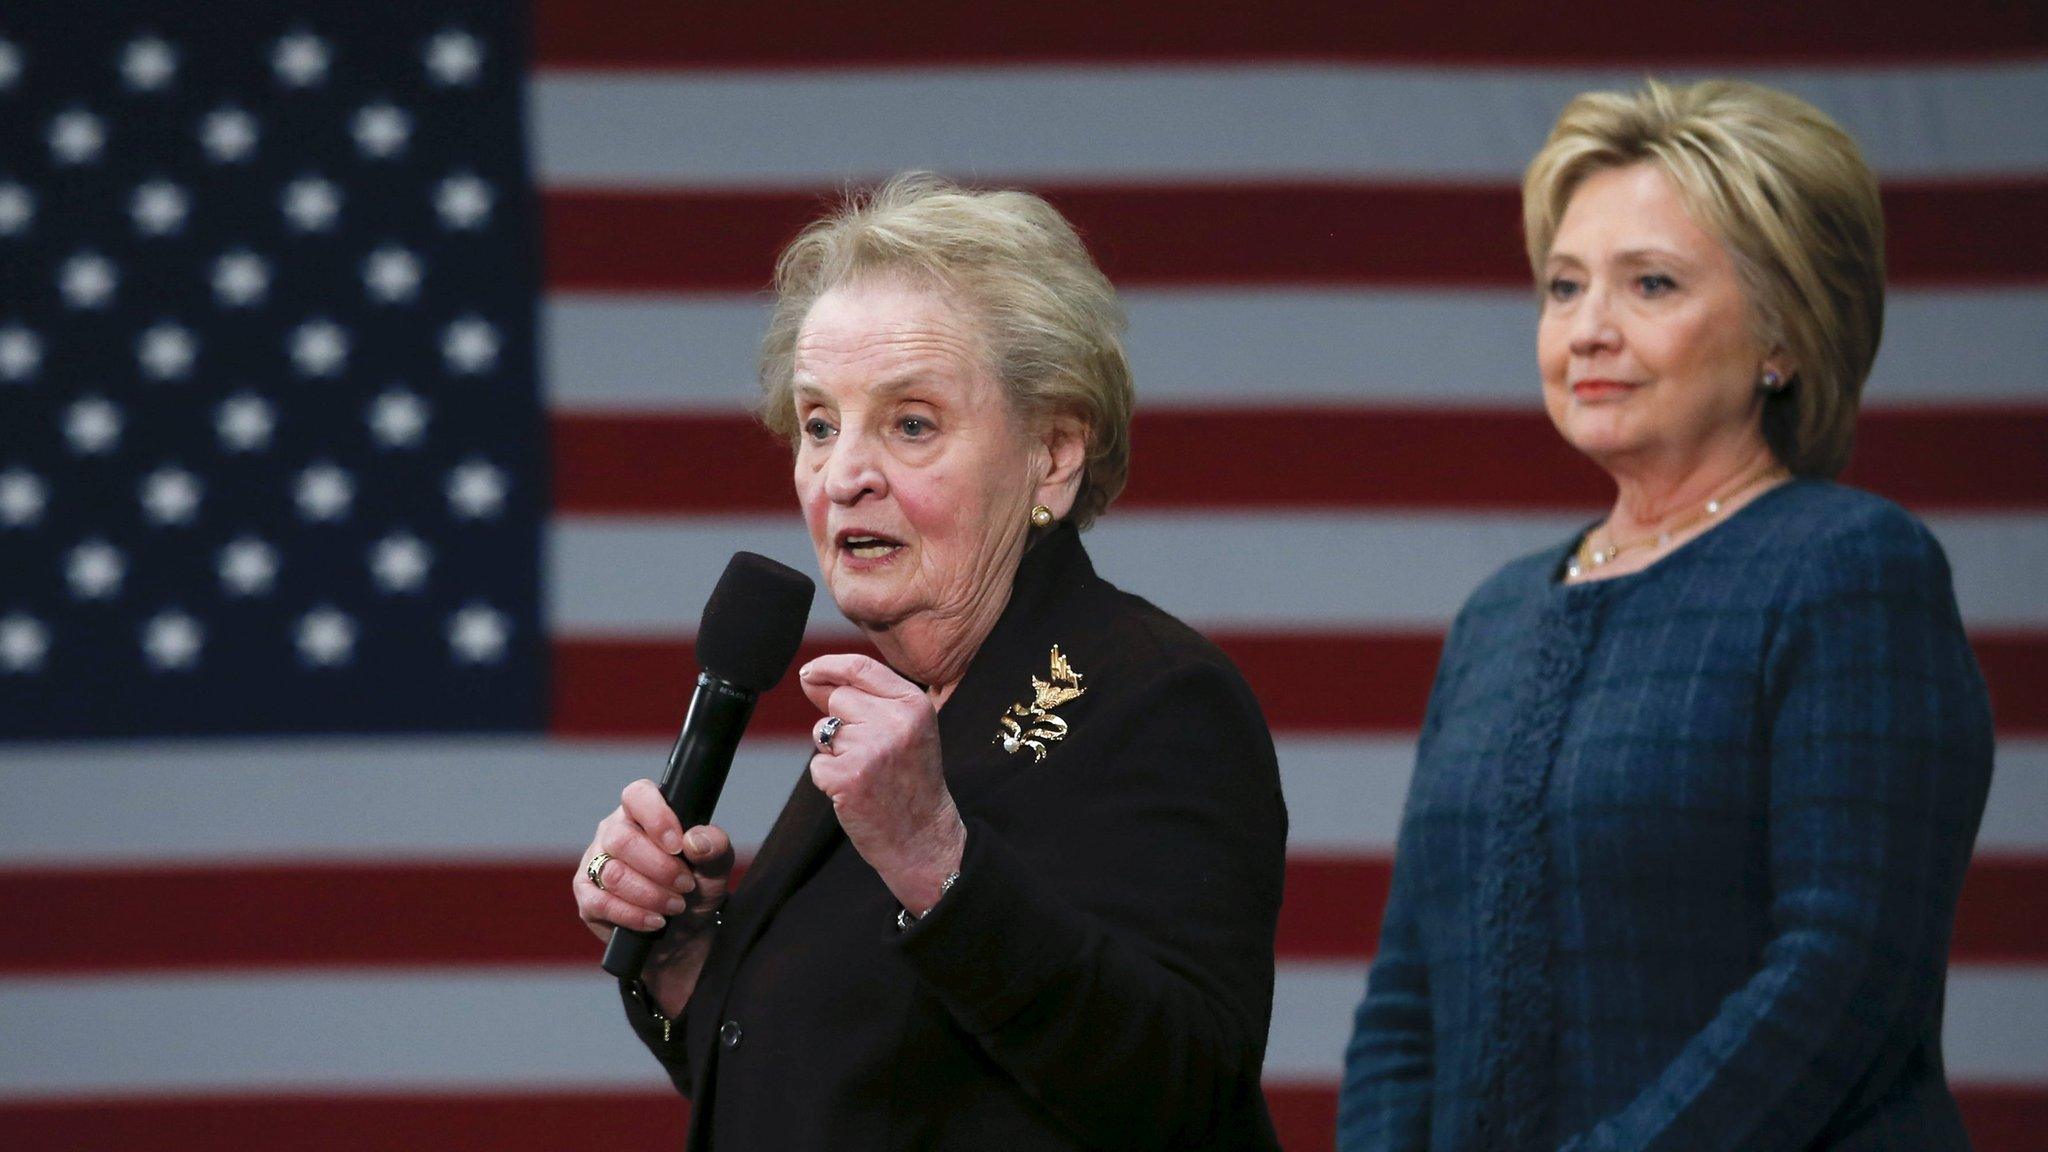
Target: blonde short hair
{"points": [[1787, 191], [1047, 315]]}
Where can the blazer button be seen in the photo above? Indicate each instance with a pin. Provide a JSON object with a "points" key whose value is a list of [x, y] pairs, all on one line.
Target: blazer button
{"points": [[729, 1035]]}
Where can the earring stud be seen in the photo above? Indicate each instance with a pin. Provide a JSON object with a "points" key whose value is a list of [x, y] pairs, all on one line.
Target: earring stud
{"points": [[1772, 381], [1041, 516]]}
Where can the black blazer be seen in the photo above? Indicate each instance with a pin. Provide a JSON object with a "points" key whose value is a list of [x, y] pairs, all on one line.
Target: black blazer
{"points": [[1101, 975]]}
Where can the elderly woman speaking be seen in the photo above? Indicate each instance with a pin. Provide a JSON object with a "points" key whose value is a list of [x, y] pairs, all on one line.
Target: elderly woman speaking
{"points": [[1695, 790], [1024, 894]]}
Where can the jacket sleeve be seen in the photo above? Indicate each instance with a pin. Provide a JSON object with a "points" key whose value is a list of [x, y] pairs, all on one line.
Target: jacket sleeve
{"points": [[1880, 757], [1390, 1064], [666, 1043], [1384, 1104], [1134, 1005]]}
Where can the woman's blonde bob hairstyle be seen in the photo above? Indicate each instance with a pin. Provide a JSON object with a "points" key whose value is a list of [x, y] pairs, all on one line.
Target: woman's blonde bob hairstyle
{"points": [[1048, 319], [1787, 191]]}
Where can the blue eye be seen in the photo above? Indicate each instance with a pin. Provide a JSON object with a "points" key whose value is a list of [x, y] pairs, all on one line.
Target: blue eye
{"points": [[1561, 289], [1656, 284], [816, 428], [915, 427]]}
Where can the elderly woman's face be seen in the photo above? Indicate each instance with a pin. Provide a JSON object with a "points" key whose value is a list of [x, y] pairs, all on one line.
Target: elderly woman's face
{"points": [[1645, 343], [916, 477]]}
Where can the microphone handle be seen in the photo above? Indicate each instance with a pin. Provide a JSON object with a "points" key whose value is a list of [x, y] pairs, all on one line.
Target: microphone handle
{"points": [[697, 768]]}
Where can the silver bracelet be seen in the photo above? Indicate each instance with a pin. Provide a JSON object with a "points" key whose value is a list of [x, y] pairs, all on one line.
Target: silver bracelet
{"points": [[904, 917]]}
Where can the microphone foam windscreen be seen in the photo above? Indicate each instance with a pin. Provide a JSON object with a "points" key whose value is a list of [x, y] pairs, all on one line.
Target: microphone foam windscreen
{"points": [[754, 621]]}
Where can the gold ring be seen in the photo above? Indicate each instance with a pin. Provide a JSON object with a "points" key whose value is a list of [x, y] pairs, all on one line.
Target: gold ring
{"points": [[595, 869]]}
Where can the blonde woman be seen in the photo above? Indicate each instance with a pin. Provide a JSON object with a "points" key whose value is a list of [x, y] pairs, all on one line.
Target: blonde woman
{"points": [[1024, 894], [1696, 788]]}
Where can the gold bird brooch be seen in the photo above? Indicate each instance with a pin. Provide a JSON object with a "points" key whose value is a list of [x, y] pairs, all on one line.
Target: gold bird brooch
{"points": [[1033, 725]]}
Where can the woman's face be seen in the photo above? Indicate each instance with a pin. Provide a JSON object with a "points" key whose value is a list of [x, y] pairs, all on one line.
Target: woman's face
{"points": [[916, 477], [1646, 345]]}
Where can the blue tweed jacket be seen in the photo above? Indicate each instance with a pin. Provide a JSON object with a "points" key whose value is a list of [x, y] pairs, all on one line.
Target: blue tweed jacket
{"points": [[1680, 861]]}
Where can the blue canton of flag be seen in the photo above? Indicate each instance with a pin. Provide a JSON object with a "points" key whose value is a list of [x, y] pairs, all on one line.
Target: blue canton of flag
{"points": [[271, 442]]}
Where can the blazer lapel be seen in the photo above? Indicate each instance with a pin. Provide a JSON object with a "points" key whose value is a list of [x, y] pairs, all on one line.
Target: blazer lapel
{"points": [[803, 835]]}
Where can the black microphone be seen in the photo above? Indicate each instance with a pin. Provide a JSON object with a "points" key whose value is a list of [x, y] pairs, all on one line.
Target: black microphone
{"points": [[751, 628]]}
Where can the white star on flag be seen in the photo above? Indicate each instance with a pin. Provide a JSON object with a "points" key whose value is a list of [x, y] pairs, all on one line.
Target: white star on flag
{"points": [[240, 278], [166, 351], [326, 637], [478, 634], [244, 422], [247, 567], [312, 203], [24, 642], [392, 274], [77, 136], [21, 352], [463, 201], [170, 495], [470, 346], [323, 492], [92, 424], [476, 490], [300, 59], [454, 57], [147, 64], [171, 640], [228, 135], [397, 418], [381, 130], [159, 208], [319, 348], [23, 496], [87, 280], [17, 208], [399, 562], [94, 569]]}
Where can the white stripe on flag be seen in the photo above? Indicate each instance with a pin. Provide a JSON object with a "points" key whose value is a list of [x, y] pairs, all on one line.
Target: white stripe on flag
{"points": [[1995, 1030], [1192, 124], [1236, 348], [504, 1029], [234, 802], [651, 576]]}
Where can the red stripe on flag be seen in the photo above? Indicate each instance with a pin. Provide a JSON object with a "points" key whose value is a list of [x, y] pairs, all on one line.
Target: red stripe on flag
{"points": [[1305, 458], [617, 688], [626, 688], [2015, 667], [425, 912], [653, 34], [1999, 1118], [1332, 906], [428, 914], [1297, 234]]}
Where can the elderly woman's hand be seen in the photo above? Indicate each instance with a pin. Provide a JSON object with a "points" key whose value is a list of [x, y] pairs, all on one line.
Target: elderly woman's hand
{"points": [[654, 872], [882, 770]]}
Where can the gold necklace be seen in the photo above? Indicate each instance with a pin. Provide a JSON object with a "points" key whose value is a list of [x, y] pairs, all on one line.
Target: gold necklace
{"points": [[1588, 557]]}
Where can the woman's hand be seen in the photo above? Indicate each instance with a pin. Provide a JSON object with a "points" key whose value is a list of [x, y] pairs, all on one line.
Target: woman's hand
{"points": [[883, 773], [656, 873]]}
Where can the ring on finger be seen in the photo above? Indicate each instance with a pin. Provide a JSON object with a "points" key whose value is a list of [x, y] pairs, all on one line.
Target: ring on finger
{"points": [[827, 728], [594, 871]]}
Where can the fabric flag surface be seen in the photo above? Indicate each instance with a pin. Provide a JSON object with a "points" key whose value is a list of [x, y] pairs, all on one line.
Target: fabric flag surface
{"points": [[373, 424]]}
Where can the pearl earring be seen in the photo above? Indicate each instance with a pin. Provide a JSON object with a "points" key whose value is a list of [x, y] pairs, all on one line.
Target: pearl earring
{"points": [[1772, 381], [1041, 516]]}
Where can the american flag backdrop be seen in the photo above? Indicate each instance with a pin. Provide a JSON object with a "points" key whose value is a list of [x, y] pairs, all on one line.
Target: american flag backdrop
{"points": [[372, 393]]}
